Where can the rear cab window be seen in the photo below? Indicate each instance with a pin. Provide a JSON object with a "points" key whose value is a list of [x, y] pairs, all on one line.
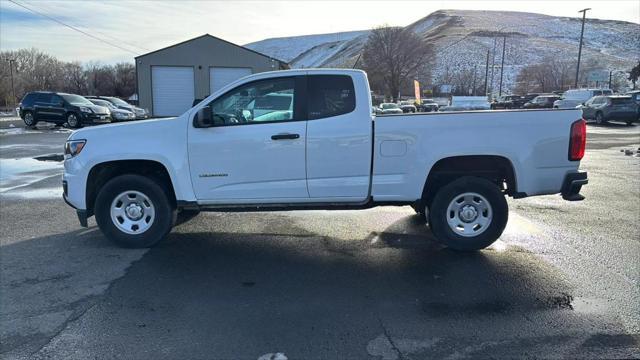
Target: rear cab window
{"points": [[330, 95]]}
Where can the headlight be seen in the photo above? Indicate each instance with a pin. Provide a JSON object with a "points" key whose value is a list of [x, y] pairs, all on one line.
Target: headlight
{"points": [[85, 109], [73, 148]]}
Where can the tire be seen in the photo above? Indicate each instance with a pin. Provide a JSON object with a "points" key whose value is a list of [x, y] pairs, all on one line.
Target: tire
{"points": [[29, 119], [600, 119], [148, 221], [73, 120], [481, 198], [629, 122]]}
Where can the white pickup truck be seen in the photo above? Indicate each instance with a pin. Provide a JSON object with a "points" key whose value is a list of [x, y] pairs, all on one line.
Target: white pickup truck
{"points": [[306, 139]]}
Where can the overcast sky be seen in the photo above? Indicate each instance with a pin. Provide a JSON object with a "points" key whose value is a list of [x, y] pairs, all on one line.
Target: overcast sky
{"points": [[143, 26]]}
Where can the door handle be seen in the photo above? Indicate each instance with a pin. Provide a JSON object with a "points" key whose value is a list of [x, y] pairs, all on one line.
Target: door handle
{"points": [[285, 136]]}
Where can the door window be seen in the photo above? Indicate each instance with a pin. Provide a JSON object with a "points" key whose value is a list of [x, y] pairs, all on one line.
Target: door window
{"points": [[44, 98], [330, 95], [270, 100]]}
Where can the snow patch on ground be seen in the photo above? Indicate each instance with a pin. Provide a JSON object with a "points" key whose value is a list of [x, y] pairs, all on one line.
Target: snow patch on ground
{"points": [[19, 173]]}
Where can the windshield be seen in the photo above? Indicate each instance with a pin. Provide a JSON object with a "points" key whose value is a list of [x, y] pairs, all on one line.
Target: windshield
{"points": [[103, 103], [76, 99], [389, 106], [118, 102]]}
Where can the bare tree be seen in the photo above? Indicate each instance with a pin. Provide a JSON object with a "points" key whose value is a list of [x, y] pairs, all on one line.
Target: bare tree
{"points": [[394, 56], [35, 70]]}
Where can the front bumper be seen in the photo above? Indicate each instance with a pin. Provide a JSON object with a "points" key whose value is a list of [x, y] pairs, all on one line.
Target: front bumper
{"points": [[82, 214], [572, 185], [96, 118]]}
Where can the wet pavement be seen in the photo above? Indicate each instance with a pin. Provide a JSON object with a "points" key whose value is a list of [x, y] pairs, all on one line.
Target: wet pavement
{"points": [[562, 282]]}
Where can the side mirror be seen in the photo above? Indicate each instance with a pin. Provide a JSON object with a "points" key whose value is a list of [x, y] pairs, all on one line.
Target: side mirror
{"points": [[203, 118]]}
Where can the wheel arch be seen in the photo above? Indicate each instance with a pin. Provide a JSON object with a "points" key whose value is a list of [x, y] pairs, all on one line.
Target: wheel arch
{"points": [[496, 168], [102, 172]]}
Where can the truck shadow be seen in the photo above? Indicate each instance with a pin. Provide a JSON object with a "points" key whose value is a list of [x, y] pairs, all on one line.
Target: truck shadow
{"points": [[292, 290]]}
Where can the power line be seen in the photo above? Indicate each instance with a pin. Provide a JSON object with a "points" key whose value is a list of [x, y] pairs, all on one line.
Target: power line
{"points": [[74, 28], [132, 45]]}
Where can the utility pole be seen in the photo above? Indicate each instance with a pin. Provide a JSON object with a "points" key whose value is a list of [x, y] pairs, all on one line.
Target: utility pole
{"points": [[504, 45], [493, 63], [13, 91], [473, 90], [610, 73], [486, 74], [584, 15]]}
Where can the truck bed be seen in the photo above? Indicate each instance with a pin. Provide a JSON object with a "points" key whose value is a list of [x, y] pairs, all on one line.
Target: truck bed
{"points": [[535, 142]]}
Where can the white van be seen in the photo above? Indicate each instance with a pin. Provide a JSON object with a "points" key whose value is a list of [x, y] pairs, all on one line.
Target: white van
{"points": [[573, 98]]}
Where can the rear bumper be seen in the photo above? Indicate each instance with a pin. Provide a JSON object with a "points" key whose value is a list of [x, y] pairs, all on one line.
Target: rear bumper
{"points": [[572, 185]]}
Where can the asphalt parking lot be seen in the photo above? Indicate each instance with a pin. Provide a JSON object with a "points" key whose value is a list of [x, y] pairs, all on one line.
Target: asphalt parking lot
{"points": [[562, 282]]}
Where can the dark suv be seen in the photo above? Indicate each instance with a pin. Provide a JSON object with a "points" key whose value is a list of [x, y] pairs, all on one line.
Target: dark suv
{"points": [[60, 108], [508, 102]]}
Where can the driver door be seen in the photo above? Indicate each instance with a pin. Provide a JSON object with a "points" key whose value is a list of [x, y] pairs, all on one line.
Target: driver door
{"points": [[253, 148]]}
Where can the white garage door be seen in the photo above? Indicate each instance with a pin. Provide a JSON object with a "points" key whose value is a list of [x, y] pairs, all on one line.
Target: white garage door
{"points": [[221, 76], [173, 89]]}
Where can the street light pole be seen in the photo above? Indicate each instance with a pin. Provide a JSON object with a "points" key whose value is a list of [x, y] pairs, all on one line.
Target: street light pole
{"points": [[504, 45], [584, 15]]}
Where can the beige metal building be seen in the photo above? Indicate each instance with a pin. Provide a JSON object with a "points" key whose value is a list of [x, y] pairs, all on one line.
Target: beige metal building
{"points": [[169, 79]]}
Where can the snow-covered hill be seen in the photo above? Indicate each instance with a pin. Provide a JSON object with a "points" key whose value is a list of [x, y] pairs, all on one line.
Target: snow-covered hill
{"points": [[461, 39]]}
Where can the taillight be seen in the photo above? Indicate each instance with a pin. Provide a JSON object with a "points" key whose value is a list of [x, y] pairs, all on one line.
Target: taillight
{"points": [[578, 140]]}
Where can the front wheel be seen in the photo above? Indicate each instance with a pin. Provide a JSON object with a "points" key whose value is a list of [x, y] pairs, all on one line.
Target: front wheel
{"points": [[133, 211], [600, 118], [468, 214], [73, 120]]}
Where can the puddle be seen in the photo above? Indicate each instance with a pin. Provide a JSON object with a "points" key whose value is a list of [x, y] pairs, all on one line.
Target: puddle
{"points": [[590, 305], [18, 173]]}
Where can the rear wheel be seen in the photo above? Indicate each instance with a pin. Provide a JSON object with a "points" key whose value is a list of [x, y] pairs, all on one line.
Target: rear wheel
{"points": [[468, 214], [29, 119], [133, 211]]}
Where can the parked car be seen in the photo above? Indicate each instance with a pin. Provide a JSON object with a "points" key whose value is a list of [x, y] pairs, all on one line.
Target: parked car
{"points": [[635, 95], [508, 102], [390, 108], [463, 103], [576, 97], [614, 107], [121, 104], [61, 108], [428, 106], [407, 107], [528, 97], [326, 155], [116, 114], [542, 102]]}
